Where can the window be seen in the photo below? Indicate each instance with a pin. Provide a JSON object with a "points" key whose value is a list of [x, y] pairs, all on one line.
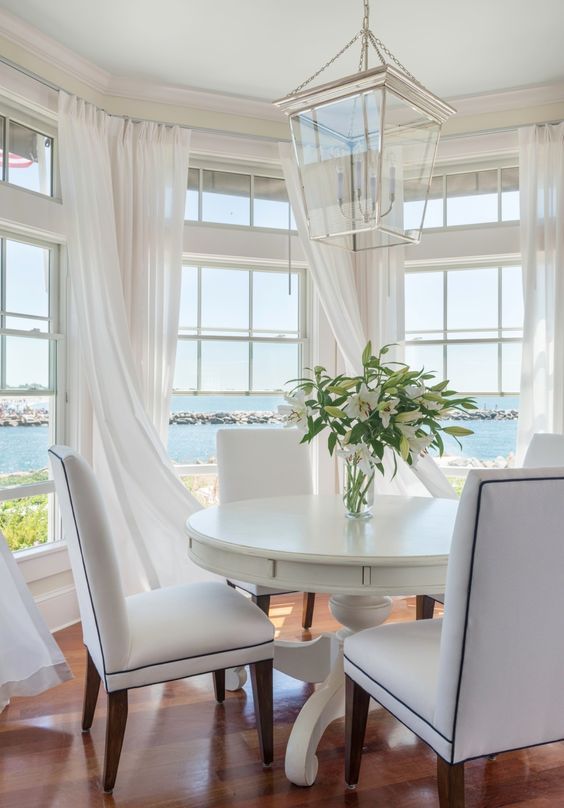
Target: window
{"points": [[468, 198], [30, 156], [466, 324], [241, 338], [29, 335], [230, 197]]}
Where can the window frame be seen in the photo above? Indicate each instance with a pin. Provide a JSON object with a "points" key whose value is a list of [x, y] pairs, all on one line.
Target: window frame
{"points": [[262, 171], [42, 127], [445, 266], [57, 375], [445, 170], [301, 339]]}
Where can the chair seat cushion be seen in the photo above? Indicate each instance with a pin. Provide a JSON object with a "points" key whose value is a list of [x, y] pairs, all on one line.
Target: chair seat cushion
{"points": [[189, 629], [397, 664]]}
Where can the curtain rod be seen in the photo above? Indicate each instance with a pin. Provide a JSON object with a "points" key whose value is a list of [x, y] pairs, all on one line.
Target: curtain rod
{"points": [[205, 130]]}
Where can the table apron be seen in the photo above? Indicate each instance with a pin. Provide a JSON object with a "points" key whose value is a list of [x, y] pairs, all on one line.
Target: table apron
{"points": [[306, 576]]}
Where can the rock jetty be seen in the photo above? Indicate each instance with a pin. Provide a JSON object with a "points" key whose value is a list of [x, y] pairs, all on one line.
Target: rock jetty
{"points": [[268, 417], [235, 417], [485, 415]]}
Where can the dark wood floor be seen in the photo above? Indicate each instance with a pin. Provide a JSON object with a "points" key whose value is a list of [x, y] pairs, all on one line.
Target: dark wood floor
{"points": [[181, 749]]}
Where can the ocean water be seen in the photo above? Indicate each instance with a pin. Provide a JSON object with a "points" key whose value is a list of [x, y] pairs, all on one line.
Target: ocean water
{"points": [[24, 449]]}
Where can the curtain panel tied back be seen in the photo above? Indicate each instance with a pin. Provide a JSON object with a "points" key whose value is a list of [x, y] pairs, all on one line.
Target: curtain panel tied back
{"points": [[124, 186], [362, 295]]}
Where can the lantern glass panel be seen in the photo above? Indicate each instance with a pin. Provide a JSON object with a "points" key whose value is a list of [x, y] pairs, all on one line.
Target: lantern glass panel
{"points": [[338, 149]]}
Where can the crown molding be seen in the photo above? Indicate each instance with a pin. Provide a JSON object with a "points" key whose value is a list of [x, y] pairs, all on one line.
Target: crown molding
{"points": [[513, 98], [44, 47], [49, 50], [153, 92]]}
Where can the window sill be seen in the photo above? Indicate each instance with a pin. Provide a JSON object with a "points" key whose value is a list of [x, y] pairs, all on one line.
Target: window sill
{"points": [[40, 562]]}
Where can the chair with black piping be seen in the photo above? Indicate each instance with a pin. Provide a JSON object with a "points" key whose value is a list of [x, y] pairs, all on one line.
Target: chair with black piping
{"points": [[546, 450], [270, 462], [155, 636], [489, 676]]}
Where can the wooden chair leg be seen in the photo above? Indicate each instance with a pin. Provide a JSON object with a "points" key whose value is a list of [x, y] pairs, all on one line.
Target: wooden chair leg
{"points": [[115, 729], [450, 780], [263, 602], [91, 689], [357, 702], [424, 607], [307, 609], [219, 685], [261, 677]]}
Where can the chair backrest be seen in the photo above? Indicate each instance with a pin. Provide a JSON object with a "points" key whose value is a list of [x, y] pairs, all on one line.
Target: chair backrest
{"points": [[544, 450], [270, 462], [93, 560], [501, 666]]}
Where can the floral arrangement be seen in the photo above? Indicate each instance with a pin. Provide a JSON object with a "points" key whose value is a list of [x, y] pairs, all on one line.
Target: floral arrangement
{"points": [[389, 405]]}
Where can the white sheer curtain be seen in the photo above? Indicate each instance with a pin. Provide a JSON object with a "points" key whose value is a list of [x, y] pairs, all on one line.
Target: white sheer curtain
{"points": [[124, 186], [30, 659], [362, 296], [541, 178]]}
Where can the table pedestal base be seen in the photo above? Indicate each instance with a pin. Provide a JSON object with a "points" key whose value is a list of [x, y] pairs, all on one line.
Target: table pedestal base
{"points": [[354, 612]]}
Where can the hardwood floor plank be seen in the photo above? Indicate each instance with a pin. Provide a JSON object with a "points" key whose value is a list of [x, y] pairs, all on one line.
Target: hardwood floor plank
{"points": [[183, 750]]}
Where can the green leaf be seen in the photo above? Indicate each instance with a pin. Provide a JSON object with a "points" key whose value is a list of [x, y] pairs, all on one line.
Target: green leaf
{"points": [[367, 353], [335, 412], [438, 388], [458, 431], [339, 391], [331, 442]]}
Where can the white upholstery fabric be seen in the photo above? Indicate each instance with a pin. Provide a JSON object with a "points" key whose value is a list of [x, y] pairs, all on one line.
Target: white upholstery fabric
{"points": [[93, 559], [500, 682], [546, 450], [254, 463], [153, 636], [398, 665], [185, 630]]}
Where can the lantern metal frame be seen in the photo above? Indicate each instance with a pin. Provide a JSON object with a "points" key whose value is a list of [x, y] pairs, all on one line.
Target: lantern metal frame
{"points": [[394, 81]]}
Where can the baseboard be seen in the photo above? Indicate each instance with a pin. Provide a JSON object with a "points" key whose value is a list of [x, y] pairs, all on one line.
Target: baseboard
{"points": [[59, 607]]}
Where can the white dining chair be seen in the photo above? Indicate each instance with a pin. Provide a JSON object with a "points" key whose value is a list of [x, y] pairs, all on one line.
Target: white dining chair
{"points": [[269, 462], [545, 450], [488, 677], [156, 636]]}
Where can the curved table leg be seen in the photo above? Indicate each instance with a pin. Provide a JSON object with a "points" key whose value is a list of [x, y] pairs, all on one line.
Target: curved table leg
{"points": [[327, 703]]}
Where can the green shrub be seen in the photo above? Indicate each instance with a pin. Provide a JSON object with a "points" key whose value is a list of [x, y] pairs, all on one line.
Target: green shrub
{"points": [[24, 522]]}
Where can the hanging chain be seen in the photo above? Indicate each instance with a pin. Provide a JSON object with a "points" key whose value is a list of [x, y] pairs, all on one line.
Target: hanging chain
{"points": [[367, 37], [326, 65]]}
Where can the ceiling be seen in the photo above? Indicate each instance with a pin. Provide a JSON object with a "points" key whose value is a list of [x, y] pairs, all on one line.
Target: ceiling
{"points": [[264, 48]]}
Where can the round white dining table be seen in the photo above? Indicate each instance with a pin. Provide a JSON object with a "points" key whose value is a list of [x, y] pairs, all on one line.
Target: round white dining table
{"points": [[307, 543]]}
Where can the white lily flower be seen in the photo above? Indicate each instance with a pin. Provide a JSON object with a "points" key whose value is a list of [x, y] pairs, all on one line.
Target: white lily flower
{"points": [[407, 430], [361, 455], [361, 404], [415, 390], [295, 412], [418, 447], [432, 405], [386, 410]]}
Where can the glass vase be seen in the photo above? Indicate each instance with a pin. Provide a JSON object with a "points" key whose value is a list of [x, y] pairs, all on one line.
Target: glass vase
{"points": [[358, 490]]}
